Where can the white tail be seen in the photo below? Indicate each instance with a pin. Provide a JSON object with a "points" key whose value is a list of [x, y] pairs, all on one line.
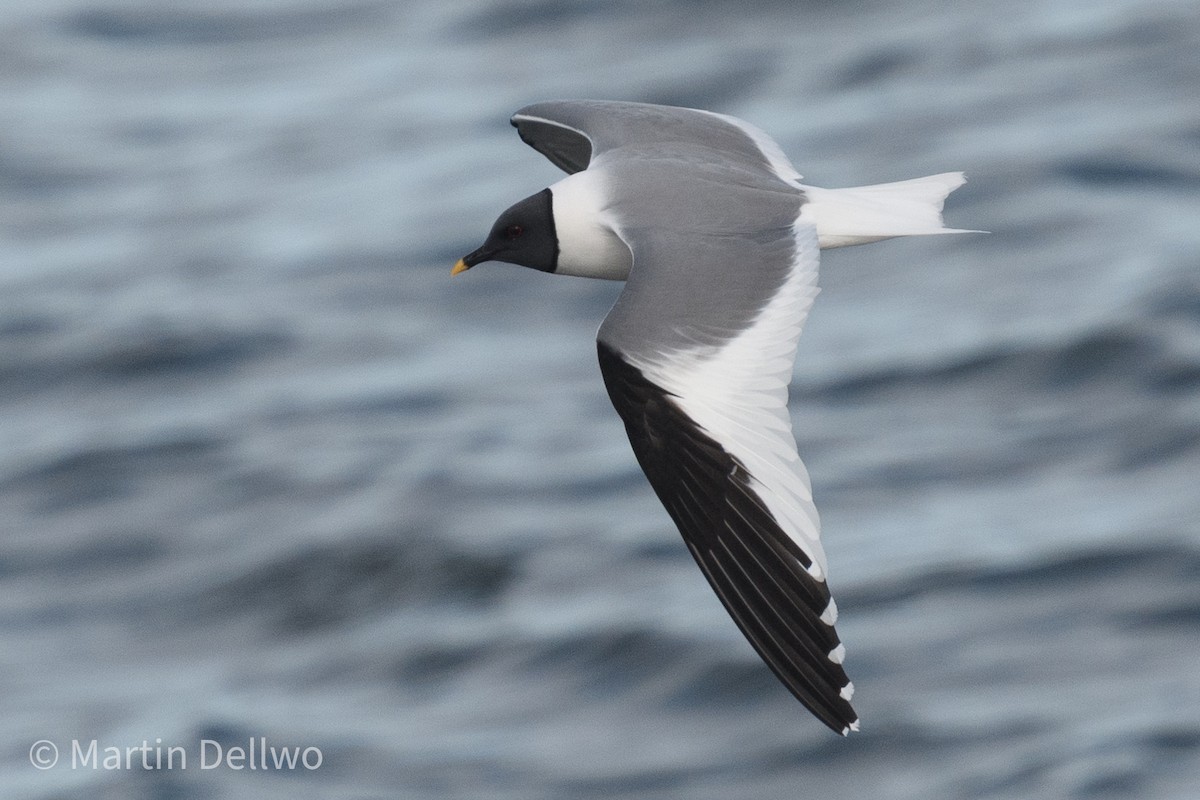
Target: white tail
{"points": [[862, 214]]}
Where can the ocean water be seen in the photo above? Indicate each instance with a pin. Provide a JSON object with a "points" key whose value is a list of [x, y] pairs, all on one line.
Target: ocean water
{"points": [[269, 476]]}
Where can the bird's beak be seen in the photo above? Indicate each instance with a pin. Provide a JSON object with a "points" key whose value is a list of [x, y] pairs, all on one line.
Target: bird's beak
{"points": [[471, 259]]}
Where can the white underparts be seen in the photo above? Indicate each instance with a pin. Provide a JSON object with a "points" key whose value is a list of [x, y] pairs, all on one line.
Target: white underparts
{"points": [[587, 244]]}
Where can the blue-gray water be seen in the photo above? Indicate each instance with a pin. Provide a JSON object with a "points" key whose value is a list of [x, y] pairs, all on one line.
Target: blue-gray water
{"points": [[266, 471]]}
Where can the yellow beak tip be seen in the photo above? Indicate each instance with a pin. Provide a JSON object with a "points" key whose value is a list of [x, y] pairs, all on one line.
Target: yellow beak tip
{"points": [[461, 266]]}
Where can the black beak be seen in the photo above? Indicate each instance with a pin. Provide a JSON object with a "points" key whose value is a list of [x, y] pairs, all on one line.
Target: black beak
{"points": [[471, 259]]}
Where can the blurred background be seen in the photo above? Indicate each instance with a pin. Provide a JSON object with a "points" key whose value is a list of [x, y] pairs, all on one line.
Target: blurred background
{"points": [[266, 472]]}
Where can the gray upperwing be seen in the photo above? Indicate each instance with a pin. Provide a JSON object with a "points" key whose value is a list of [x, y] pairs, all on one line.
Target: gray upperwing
{"points": [[711, 244], [571, 133]]}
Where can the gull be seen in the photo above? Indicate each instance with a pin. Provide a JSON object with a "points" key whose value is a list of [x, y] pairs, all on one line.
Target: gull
{"points": [[718, 242]]}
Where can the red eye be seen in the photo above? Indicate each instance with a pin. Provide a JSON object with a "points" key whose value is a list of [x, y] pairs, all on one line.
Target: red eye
{"points": [[513, 231]]}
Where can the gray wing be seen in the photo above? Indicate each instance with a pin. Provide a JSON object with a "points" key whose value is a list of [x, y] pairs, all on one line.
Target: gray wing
{"points": [[571, 133], [697, 355]]}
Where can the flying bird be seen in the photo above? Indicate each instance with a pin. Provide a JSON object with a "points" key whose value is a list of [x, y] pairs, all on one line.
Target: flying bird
{"points": [[718, 242]]}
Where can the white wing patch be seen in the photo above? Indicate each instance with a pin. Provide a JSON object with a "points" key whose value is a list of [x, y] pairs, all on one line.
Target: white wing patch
{"points": [[738, 394]]}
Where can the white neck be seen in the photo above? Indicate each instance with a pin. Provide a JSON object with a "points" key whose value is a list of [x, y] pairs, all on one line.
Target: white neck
{"points": [[587, 244]]}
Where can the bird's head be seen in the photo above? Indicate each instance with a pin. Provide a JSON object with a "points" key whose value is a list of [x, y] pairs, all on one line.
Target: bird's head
{"points": [[524, 235]]}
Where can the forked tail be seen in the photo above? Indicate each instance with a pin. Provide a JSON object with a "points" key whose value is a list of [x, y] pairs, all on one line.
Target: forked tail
{"points": [[862, 214]]}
